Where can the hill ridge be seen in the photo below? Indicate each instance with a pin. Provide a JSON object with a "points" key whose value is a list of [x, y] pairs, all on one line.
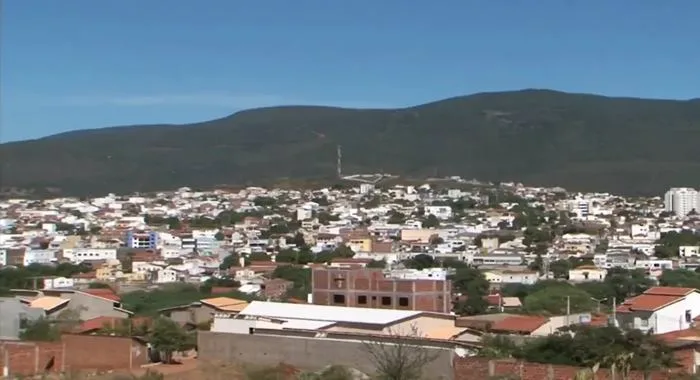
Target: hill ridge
{"points": [[536, 136]]}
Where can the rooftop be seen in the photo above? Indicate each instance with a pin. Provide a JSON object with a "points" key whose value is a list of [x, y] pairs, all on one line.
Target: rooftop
{"points": [[326, 313]]}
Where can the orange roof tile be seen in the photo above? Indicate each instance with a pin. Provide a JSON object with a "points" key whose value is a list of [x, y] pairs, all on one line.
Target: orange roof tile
{"points": [[647, 302], [669, 291], [104, 293], [519, 324]]}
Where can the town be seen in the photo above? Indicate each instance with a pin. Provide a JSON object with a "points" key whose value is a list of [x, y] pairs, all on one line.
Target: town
{"points": [[463, 279]]}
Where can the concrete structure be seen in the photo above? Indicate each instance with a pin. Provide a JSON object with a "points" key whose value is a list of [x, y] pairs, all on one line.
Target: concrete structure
{"points": [[142, 240], [89, 306], [310, 351], [681, 200], [204, 310], [369, 288], [13, 317], [78, 255], [660, 310]]}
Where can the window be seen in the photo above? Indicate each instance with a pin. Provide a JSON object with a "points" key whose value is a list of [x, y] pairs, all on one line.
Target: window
{"points": [[339, 298], [644, 322], [362, 300], [403, 301], [688, 316], [386, 301]]}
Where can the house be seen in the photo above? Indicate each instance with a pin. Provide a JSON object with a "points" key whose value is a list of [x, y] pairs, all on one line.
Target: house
{"points": [[660, 310], [587, 273], [203, 311], [14, 315], [260, 316], [55, 301], [496, 277]]}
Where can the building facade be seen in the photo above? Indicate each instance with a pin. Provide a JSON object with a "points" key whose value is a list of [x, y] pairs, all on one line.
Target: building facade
{"points": [[371, 289], [141, 240], [681, 200]]}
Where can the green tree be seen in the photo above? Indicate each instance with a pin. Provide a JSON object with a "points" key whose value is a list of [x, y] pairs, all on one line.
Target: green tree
{"points": [[230, 261], [553, 300], [431, 221], [219, 236], [680, 278], [421, 261], [41, 330], [377, 264], [167, 337]]}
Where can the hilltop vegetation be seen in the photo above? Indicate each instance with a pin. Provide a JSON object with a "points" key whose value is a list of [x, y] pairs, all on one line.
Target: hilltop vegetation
{"points": [[583, 142]]}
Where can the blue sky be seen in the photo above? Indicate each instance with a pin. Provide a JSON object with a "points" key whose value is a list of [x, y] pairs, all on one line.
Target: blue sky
{"points": [[76, 64]]}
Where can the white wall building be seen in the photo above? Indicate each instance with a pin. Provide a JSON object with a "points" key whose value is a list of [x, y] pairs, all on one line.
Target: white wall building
{"points": [[78, 255], [681, 200], [660, 310], [39, 256]]}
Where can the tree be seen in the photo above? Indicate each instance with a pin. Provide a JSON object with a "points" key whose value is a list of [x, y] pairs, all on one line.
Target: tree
{"points": [[229, 261], [431, 221], [42, 330], [401, 357], [377, 264], [553, 300], [219, 236], [167, 337], [420, 261]]}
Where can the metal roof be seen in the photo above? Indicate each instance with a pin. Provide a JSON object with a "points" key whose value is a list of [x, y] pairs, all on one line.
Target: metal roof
{"points": [[291, 311]]}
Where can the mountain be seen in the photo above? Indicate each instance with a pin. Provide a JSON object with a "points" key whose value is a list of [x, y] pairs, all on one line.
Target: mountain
{"points": [[539, 137]]}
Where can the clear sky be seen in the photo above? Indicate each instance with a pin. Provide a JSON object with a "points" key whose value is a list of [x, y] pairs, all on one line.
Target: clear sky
{"points": [[75, 64]]}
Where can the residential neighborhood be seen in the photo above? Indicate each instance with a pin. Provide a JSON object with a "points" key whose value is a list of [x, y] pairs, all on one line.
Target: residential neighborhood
{"points": [[456, 265]]}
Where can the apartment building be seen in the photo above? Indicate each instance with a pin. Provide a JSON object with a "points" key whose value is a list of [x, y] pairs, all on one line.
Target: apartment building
{"points": [[681, 200], [370, 288], [141, 239]]}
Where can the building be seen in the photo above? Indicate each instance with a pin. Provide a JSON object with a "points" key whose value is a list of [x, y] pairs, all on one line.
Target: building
{"points": [[14, 316], [78, 255], [370, 288], [142, 239], [660, 310], [681, 200], [203, 311]]}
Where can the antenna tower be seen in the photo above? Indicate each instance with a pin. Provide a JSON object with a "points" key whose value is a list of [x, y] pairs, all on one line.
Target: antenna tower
{"points": [[339, 166]]}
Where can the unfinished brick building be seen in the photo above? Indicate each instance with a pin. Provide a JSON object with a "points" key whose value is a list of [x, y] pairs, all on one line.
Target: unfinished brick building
{"points": [[370, 288]]}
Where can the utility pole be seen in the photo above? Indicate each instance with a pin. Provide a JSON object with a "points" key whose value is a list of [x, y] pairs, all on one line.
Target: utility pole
{"points": [[568, 310], [614, 311]]}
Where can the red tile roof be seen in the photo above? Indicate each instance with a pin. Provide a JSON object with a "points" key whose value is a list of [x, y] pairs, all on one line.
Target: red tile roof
{"points": [[655, 298], [519, 324], [669, 291], [104, 293], [98, 323]]}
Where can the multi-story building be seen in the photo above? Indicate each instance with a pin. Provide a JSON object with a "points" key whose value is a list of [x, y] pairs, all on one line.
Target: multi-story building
{"points": [[141, 239], [370, 288], [78, 255], [681, 200]]}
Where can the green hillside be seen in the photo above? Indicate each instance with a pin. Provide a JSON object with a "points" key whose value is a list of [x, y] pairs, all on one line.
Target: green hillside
{"points": [[538, 137]]}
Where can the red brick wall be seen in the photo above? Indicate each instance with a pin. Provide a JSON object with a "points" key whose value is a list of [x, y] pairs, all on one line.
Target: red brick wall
{"points": [[73, 352], [482, 369], [423, 295]]}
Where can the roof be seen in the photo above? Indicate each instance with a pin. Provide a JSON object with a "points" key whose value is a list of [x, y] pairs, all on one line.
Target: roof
{"points": [[519, 324], [48, 303], [670, 291], [647, 302], [225, 303], [655, 298], [327, 313], [103, 293]]}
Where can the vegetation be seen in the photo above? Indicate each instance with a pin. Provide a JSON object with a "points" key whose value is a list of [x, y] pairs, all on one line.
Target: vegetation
{"points": [[145, 302], [494, 136], [401, 357], [24, 277], [588, 347], [167, 337]]}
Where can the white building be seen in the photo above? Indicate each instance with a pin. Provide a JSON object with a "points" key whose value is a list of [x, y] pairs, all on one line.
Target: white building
{"points": [[660, 310], [78, 255], [39, 256], [684, 251], [58, 283], [440, 212], [3, 257], [681, 200]]}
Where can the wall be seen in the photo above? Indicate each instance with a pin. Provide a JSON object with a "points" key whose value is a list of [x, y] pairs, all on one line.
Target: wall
{"points": [[73, 352], [373, 287], [481, 368], [303, 352]]}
